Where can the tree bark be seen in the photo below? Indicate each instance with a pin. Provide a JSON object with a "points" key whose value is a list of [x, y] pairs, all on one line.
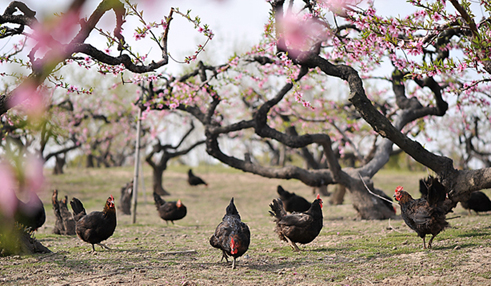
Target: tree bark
{"points": [[157, 181], [17, 241], [337, 198], [60, 162], [30, 245], [89, 161], [321, 190], [367, 205]]}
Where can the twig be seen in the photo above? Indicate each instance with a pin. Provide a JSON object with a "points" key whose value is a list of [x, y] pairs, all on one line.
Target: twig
{"points": [[380, 197], [452, 217], [192, 251], [367, 280]]}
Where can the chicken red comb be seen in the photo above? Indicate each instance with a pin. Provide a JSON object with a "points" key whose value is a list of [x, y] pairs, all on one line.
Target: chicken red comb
{"points": [[318, 197], [110, 201], [399, 188]]}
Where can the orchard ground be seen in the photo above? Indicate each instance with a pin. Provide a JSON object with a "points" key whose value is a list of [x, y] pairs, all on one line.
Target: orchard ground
{"points": [[348, 251]]}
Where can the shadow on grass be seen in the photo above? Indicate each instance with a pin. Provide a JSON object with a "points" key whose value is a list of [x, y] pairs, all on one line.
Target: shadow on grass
{"points": [[326, 249], [454, 245], [249, 264], [479, 233], [338, 218], [56, 238]]}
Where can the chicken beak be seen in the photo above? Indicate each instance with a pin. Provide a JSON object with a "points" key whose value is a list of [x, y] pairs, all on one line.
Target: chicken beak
{"points": [[396, 197], [111, 201]]}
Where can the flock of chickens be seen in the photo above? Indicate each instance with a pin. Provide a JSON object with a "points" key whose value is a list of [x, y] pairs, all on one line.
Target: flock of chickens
{"points": [[297, 220]]}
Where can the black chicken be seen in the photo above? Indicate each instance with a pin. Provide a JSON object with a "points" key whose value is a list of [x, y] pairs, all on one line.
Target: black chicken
{"points": [[297, 227], [292, 202], [95, 226], [232, 236], [30, 214], [432, 187], [478, 202], [194, 180], [427, 214], [169, 211]]}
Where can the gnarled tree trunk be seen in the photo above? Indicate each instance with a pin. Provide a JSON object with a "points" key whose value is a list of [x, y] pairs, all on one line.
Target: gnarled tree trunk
{"points": [[157, 181], [90, 161], [15, 239], [337, 198], [368, 206], [60, 161], [21, 243]]}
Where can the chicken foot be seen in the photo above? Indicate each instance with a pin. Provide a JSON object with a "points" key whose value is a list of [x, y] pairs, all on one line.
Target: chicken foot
{"points": [[292, 244], [224, 255], [429, 242], [102, 245]]}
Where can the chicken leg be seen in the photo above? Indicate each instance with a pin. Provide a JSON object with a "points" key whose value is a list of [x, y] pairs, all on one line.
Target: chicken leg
{"points": [[224, 255], [429, 242], [101, 245], [292, 244]]}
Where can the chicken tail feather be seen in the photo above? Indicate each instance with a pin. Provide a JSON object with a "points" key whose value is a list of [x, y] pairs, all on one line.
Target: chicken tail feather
{"points": [[158, 200], [277, 209], [78, 209]]}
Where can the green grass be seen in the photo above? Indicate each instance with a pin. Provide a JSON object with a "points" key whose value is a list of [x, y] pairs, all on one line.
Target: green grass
{"points": [[347, 251]]}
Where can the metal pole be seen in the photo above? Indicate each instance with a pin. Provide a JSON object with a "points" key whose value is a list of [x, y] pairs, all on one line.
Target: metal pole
{"points": [[137, 165], [143, 182]]}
